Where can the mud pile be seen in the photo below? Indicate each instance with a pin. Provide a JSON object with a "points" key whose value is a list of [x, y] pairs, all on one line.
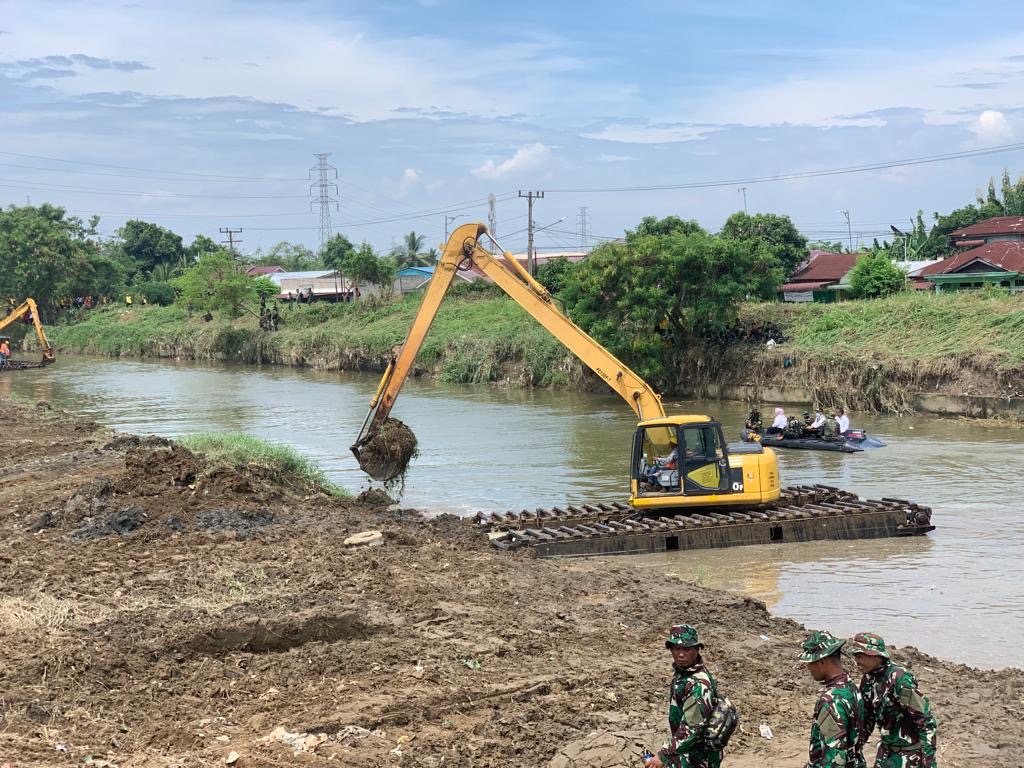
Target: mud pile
{"points": [[386, 454], [148, 646]]}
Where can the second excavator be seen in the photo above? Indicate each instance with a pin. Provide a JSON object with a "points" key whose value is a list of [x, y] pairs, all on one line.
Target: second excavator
{"points": [[688, 487], [27, 312]]}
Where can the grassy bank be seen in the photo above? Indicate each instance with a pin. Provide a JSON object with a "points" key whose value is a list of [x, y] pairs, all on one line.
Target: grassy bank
{"points": [[237, 451], [472, 339], [872, 355]]}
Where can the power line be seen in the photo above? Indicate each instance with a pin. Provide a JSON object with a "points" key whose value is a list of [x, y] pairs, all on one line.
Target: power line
{"points": [[231, 238], [21, 184], [148, 177], [807, 174]]}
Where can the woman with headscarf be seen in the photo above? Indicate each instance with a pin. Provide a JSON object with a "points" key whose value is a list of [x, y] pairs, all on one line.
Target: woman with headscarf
{"points": [[781, 421]]}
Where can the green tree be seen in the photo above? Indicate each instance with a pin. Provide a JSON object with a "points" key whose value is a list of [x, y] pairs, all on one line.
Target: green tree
{"points": [[556, 274], [622, 294], [670, 225], [829, 246], [292, 257], [200, 246], [773, 230], [48, 255], [336, 251], [364, 267], [147, 245], [410, 252], [215, 284], [875, 275], [912, 244]]}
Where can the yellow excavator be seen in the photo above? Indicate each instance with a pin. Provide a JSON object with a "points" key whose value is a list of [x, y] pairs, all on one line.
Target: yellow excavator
{"points": [[680, 463], [26, 312]]}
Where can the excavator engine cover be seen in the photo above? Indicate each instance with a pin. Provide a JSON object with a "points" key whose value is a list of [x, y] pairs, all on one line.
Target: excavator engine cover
{"points": [[386, 452]]}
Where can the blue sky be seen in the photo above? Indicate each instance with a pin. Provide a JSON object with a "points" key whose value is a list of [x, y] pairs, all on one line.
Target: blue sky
{"points": [[207, 115]]}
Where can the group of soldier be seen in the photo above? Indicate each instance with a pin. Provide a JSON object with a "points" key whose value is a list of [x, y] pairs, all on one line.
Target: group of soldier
{"points": [[827, 424], [845, 715]]}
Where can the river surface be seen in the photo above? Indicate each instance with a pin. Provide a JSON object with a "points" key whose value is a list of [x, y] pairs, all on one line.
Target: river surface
{"points": [[957, 593]]}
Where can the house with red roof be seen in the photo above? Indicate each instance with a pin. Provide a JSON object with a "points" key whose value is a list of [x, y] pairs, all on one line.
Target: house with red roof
{"points": [[990, 252], [817, 277]]}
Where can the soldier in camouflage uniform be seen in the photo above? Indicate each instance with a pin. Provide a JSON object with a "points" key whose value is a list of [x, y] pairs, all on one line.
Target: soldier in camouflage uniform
{"points": [[892, 701], [692, 696], [830, 427], [839, 713]]}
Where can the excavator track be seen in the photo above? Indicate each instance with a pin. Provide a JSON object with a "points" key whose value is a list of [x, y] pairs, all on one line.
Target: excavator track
{"points": [[24, 365], [802, 513]]}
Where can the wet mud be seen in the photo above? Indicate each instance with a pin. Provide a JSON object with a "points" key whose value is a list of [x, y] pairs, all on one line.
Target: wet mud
{"points": [[154, 615]]}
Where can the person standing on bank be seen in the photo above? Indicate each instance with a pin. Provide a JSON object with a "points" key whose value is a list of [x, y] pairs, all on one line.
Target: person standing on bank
{"points": [[692, 696], [893, 703], [839, 712]]}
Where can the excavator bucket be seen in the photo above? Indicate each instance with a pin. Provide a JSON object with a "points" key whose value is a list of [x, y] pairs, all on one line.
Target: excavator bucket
{"points": [[385, 452]]}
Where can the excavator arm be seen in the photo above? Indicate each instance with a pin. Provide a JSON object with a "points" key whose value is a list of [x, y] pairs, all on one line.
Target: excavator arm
{"points": [[18, 313], [463, 250]]}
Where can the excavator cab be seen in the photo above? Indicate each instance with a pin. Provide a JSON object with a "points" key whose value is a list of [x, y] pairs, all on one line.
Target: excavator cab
{"points": [[681, 459]]}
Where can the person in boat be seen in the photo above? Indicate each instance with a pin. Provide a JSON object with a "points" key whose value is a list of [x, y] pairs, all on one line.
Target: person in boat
{"points": [[5, 350], [794, 428], [753, 422], [844, 421], [810, 430], [830, 428], [780, 423], [819, 418]]}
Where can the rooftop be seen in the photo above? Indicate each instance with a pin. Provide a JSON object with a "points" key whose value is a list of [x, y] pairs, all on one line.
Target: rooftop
{"points": [[1006, 255], [997, 225]]}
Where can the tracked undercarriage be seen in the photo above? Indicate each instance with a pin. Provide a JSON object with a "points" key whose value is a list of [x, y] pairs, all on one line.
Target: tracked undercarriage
{"points": [[24, 365], [802, 513]]}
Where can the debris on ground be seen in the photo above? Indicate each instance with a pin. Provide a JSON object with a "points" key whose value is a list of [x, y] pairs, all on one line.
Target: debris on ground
{"points": [[200, 615]]}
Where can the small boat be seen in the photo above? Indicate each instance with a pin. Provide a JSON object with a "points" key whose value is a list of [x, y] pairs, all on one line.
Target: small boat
{"points": [[845, 445]]}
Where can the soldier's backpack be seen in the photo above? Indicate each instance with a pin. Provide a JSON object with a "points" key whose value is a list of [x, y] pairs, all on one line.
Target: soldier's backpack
{"points": [[721, 723]]}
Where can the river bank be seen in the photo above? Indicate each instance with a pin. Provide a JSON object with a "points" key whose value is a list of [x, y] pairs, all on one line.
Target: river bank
{"points": [[956, 354], [157, 614]]}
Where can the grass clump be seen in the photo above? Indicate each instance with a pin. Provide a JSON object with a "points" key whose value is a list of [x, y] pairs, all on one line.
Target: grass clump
{"points": [[239, 451]]}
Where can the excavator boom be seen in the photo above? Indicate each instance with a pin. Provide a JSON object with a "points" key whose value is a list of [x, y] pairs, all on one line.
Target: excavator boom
{"points": [[27, 311], [462, 251]]}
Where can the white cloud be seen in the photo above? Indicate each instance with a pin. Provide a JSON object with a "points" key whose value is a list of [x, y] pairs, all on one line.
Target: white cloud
{"points": [[410, 178], [991, 127], [651, 134], [528, 158], [617, 159]]}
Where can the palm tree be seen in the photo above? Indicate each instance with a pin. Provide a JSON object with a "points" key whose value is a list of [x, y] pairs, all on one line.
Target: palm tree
{"points": [[163, 272], [409, 253]]}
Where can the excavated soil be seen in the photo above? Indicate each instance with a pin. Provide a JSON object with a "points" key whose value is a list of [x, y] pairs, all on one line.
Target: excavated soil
{"points": [[386, 455], [152, 614]]}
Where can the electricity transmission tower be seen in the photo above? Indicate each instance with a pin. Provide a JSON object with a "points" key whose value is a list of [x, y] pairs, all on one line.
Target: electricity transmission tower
{"points": [[583, 225], [492, 216], [323, 187]]}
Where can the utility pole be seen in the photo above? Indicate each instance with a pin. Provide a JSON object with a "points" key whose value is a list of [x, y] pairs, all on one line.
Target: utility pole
{"points": [[583, 220], [492, 216], [849, 231], [231, 238], [448, 220], [531, 259], [323, 185], [744, 191]]}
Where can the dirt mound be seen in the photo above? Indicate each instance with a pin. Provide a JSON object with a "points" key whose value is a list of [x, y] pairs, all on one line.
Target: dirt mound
{"points": [[388, 451]]}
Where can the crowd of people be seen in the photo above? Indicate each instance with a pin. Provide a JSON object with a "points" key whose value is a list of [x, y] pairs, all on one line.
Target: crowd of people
{"points": [[701, 719], [826, 424]]}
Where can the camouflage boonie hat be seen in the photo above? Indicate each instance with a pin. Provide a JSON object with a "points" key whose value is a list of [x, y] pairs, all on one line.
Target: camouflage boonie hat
{"points": [[869, 643], [683, 635], [819, 645]]}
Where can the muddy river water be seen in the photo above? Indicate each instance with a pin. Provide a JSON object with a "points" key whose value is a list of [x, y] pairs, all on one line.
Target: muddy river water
{"points": [[958, 593]]}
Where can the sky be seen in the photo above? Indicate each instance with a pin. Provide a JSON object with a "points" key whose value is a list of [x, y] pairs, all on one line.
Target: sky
{"points": [[207, 115]]}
